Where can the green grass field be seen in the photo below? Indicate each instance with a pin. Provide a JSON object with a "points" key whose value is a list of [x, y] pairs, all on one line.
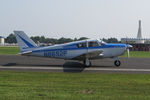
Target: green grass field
{"points": [[73, 86], [138, 54], [9, 50], [16, 50]]}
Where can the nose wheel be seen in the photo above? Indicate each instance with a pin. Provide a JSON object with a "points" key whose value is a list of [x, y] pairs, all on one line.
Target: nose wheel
{"points": [[117, 63]]}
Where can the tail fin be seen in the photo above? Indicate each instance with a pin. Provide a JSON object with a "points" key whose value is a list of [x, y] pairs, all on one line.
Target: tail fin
{"points": [[24, 41]]}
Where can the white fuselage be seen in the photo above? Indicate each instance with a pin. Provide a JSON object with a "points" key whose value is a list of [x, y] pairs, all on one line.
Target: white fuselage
{"points": [[65, 51]]}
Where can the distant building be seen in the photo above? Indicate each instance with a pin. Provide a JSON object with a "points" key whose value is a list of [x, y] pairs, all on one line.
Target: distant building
{"points": [[140, 47], [2, 40], [137, 40], [139, 43]]}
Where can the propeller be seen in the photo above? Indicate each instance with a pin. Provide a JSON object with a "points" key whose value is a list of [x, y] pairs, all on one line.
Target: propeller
{"points": [[128, 49]]}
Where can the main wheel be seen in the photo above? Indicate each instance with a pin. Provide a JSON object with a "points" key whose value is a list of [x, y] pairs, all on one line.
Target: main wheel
{"points": [[117, 63], [87, 63]]}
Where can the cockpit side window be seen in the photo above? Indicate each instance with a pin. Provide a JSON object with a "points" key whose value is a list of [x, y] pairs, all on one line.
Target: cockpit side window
{"points": [[82, 45], [93, 44]]}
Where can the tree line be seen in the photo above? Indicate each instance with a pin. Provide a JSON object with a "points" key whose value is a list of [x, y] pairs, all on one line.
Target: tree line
{"points": [[12, 39]]}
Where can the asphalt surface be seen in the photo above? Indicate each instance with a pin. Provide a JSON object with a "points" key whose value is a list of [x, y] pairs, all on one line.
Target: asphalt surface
{"points": [[23, 63]]}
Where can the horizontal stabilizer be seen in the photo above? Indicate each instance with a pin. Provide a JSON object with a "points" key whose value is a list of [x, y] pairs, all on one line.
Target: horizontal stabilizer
{"points": [[26, 53]]}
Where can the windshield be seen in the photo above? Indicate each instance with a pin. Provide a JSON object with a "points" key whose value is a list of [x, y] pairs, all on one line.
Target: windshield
{"points": [[101, 42]]}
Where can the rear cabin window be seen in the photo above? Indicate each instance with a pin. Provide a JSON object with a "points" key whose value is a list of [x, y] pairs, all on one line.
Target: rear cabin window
{"points": [[82, 45], [93, 44]]}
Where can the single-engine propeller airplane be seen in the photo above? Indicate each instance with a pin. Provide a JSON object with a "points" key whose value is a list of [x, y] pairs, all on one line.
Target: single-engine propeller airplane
{"points": [[84, 50]]}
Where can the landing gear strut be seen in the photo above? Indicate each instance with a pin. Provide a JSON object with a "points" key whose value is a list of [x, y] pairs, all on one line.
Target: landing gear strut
{"points": [[117, 62], [87, 63]]}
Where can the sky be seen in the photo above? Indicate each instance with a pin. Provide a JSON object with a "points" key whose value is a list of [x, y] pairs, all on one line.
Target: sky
{"points": [[75, 18]]}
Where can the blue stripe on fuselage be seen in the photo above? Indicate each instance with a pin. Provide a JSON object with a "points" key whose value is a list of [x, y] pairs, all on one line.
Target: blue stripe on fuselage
{"points": [[110, 45], [73, 47]]}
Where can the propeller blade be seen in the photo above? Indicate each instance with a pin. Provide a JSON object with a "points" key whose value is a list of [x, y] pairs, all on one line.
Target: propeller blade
{"points": [[128, 51]]}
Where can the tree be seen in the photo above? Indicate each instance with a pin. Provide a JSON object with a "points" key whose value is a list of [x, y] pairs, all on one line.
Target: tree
{"points": [[11, 39], [35, 39], [42, 39], [64, 40], [105, 40], [51, 40], [82, 38], [112, 40], [75, 39]]}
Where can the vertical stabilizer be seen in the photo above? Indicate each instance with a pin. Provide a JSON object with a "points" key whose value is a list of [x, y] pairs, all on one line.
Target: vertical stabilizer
{"points": [[24, 41]]}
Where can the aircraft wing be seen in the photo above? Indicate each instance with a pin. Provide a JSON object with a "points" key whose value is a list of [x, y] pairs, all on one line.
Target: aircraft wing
{"points": [[91, 55]]}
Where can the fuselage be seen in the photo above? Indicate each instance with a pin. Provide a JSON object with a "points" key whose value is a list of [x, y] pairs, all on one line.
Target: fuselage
{"points": [[75, 49]]}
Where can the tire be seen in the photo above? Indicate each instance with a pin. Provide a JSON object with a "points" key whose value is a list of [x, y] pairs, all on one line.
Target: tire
{"points": [[117, 63]]}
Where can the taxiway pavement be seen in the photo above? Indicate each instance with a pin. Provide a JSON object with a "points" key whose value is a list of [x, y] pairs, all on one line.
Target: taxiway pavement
{"points": [[23, 63]]}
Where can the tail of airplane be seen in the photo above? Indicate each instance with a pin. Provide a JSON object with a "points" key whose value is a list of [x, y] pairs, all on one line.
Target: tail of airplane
{"points": [[24, 41]]}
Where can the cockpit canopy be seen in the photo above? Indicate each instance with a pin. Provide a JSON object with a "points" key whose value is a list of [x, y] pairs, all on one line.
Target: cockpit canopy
{"points": [[91, 43], [94, 43], [101, 42]]}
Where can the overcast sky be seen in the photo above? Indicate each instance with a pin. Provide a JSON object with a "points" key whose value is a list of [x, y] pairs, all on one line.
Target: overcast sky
{"points": [[75, 18]]}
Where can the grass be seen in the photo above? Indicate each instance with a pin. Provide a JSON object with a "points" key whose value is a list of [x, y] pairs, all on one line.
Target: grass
{"points": [[73, 86], [138, 54], [9, 50]]}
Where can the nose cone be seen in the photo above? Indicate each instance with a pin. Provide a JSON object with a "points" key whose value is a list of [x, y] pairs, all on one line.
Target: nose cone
{"points": [[129, 46]]}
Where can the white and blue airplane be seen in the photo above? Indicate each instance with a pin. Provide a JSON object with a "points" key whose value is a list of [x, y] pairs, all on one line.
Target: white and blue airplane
{"points": [[84, 50]]}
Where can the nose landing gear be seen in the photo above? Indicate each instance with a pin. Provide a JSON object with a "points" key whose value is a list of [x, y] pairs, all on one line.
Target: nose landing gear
{"points": [[117, 62]]}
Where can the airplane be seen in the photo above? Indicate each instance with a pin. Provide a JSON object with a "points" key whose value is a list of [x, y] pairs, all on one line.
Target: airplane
{"points": [[85, 50]]}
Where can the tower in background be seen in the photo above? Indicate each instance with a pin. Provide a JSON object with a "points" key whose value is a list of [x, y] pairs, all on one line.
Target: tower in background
{"points": [[139, 43], [139, 35]]}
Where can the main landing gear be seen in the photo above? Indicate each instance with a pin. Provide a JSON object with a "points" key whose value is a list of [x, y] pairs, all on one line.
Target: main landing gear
{"points": [[87, 63], [117, 62]]}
